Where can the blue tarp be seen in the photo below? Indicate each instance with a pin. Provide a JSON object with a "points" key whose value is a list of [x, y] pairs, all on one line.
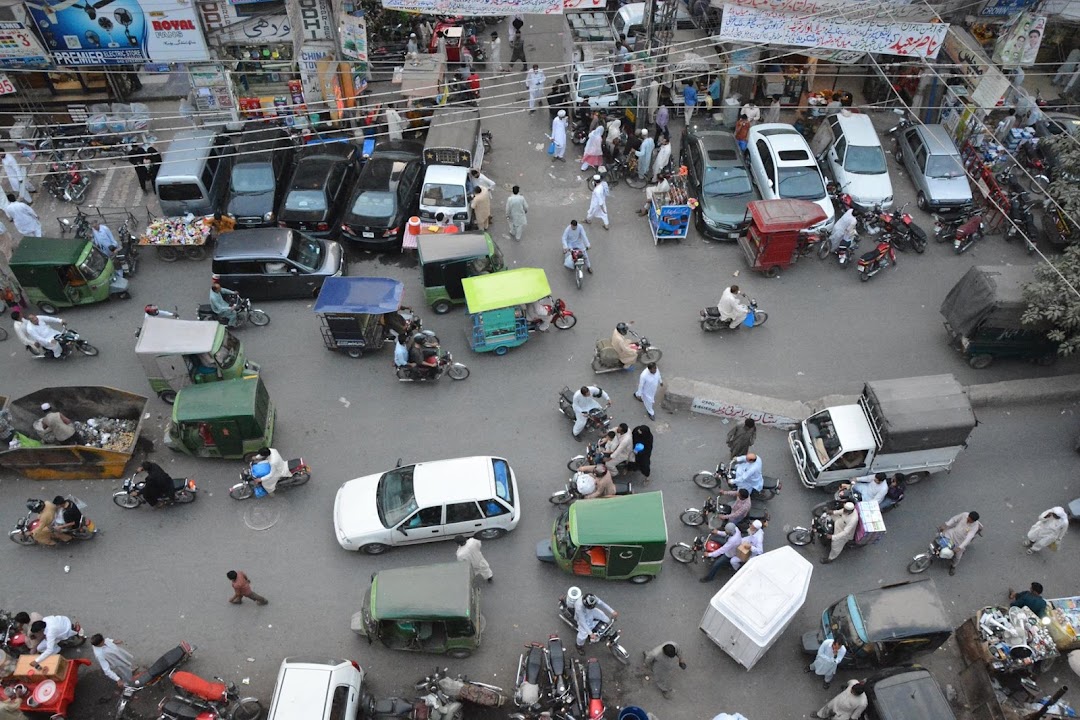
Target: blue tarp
{"points": [[376, 296]]}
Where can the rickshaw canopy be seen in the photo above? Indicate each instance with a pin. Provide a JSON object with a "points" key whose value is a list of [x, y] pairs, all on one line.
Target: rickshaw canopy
{"points": [[441, 248], [623, 520], [505, 289], [425, 592], [900, 611], [784, 215], [227, 399], [49, 251], [364, 295], [994, 293], [162, 336]]}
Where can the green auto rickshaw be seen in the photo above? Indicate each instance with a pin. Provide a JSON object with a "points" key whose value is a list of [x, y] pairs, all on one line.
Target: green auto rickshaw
{"points": [[618, 538], [227, 419], [64, 272], [445, 260], [177, 353], [430, 608]]}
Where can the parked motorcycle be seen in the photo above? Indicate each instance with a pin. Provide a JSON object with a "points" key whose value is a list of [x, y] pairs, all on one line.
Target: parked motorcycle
{"points": [[70, 340], [714, 506], [245, 313], [591, 683], [532, 678], [904, 230], [200, 699], [709, 318], [161, 667], [1022, 221], [444, 366], [606, 360], [608, 634], [581, 484], [881, 257], [598, 418], [249, 486], [126, 256], [709, 479], [562, 692], [561, 316], [434, 705], [24, 528], [461, 688], [131, 497], [963, 235]]}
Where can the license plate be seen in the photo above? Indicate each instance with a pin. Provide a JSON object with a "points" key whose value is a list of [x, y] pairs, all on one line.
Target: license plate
{"points": [[369, 234], [862, 268]]}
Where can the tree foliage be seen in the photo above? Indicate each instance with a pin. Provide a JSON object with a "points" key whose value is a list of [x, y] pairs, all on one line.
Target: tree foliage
{"points": [[1051, 302]]}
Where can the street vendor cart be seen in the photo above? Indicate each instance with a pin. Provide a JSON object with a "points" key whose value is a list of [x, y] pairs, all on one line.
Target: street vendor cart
{"points": [[669, 213], [50, 690], [176, 237], [771, 241], [359, 314]]}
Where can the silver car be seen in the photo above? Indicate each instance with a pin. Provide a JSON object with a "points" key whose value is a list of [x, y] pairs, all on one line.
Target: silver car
{"points": [[928, 154]]}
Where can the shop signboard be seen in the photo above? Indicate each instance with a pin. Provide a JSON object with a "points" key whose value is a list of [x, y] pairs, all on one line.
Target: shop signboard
{"points": [[261, 30], [311, 53], [354, 43], [1019, 41], [905, 39], [889, 9], [999, 8], [311, 20], [965, 56], [130, 33], [841, 57], [584, 4], [489, 8], [19, 47]]}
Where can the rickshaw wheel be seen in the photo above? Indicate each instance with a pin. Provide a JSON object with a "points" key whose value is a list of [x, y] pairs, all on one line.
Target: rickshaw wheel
{"points": [[637, 580], [374, 549], [565, 322], [800, 536], [441, 307], [354, 352], [693, 518], [980, 362], [773, 271], [47, 308], [459, 653], [682, 554], [502, 350], [258, 318], [457, 371], [168, 397]]}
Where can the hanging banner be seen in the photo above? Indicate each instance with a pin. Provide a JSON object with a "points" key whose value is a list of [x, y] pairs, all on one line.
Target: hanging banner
{"points": [[126, 33], [261, 30], [906, 39], [310, 56], [487, 7], [891, 10], [19, 47], [1018, 43], [354, 44]]}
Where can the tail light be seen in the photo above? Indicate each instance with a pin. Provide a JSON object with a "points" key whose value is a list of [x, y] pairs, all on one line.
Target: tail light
{"points": [[391, 232], [191, 484], [75, 177], [322, 226], [281, 223], [355, 665], [345, 228]]}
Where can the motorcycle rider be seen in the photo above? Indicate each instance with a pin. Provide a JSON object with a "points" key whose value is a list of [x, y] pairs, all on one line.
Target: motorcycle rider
{"points": [[895, 492], [401, 351], [726, 552], [628, 351], [605, 486], [224, 308], [585, 400], [50, 632], [423, 355], [732, 310], [158, 484], [279, 469], [870, 487], [740, 508], [959, 531], [590, 611], [747, 472], [45, 331], [574, 238], [68, 516], [845, 521], [843, 230]]}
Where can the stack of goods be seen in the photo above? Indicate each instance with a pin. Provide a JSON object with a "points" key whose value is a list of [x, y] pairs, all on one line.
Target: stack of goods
{"points": [[175, 231], [1065, 622], [1015, 638]]}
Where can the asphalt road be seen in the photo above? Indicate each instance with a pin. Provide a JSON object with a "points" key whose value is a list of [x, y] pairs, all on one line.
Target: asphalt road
{"points": [[152, 578]]}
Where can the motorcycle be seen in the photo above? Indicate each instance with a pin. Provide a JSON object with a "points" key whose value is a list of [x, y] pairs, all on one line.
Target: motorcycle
{"points": [[963, 232], [842, 201], [131, 496], [161, 667], [70, 341], [873, 262], [598, 417], [606, 632], [245, 313], [24, 528], [533, 676], [299, 473], [940, 549], [200, 699], [593, 455], [697, 550], [445, 365], [577, 260], [577, 488], [709, 318], [713, 506], [591, 684], [561, 316], [903, 229], [460, 688], [606, 360], [708, 480], [821, 524], [434, 705], [561, 673], [844, 249], [126, 256], [1022, 220]]}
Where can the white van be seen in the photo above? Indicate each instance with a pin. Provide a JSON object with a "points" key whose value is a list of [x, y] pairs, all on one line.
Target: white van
{"points": [[850, 150], [445, 190], [317, 688]]}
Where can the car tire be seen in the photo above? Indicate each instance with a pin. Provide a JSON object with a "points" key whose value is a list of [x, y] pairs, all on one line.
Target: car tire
{"points": [[374, 548], [920, 200], [490, 534]]}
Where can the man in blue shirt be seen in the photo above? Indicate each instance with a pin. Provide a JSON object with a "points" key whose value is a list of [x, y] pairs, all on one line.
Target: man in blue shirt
{"points": [[574, 238], [689, 94], [1031, 599], [104, 239], [748, 472]]}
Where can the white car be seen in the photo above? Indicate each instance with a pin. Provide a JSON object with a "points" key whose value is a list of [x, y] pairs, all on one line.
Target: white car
{"points": [[429, 501], [784, 167], [856, 160]]}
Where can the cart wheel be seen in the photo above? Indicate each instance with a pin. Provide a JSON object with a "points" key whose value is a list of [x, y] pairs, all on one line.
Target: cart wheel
{"points": [[502, 350], [682, 553], [196, 252], [167, 254], [354, 352], [441, 307], [773, 272], [980, 362], [565, 322], [693, 518], [706, 480], [800, 536]]}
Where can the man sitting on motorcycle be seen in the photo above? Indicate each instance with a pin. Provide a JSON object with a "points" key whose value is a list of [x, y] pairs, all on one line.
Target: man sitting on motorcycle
{"points": [[44, 332], [747, 473], [279, 468], [585, 400], [158, 484], [49, 633], [68, 517], [739, 509], [605, 487], [590, 611], [627, 350], [424, 354], [732, 308], [618, 450], [224, 308], [870, 487]]}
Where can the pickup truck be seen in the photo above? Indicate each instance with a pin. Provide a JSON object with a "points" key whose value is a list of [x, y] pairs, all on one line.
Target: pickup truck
{"points": [[590, 50], [916, 426]]}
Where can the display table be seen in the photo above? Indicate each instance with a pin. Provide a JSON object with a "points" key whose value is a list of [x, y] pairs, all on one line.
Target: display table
{"points": [[175, 237], [669, 213]]}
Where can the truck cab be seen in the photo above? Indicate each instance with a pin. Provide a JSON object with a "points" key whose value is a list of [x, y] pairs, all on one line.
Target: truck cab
{"points": [[594, 85], [834, 445]]}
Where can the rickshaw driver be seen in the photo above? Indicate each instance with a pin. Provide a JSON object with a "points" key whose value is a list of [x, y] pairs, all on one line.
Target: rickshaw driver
{"points": [[585, 400], [590, 611]]}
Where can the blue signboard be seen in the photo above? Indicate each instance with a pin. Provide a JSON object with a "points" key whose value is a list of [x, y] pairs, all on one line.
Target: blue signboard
{"points": [[1006, 7]]}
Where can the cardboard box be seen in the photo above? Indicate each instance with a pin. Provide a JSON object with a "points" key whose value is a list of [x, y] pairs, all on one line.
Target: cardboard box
{"points": [[53, 668]]}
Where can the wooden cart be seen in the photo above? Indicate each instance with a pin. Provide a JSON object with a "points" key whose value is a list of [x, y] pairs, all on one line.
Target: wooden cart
{"points": [[176, 238], [59, 695]]}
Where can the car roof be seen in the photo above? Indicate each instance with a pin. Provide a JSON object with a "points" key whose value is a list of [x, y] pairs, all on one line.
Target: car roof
{"points": [[719, 146], [447, 481], [331, 148], [313, 171], [399, 149], [256, 145], [858, 129], [445, 174], [937, 140], [626, 519], [901, 611], [909, 694], [257, 243], [782, 138], [186, 152], [422, 592], [382, 173]]}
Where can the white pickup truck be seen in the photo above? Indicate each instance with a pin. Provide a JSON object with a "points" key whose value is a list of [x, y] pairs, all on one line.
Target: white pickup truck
{"points": [[916, 426]]}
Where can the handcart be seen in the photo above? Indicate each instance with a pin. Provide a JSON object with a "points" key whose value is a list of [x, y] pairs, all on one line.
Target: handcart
{"points": [[51, 696], [669, 213], [177, 237]]}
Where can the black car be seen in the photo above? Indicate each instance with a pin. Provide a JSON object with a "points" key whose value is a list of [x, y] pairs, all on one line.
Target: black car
{"points": [[316, 191], [387, 193], [718, 177], [275, 263], [906, 693], [264, 158]]}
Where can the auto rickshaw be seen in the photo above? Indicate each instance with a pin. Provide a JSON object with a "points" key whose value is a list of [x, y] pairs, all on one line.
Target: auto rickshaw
{"points": [[772, 238], [177, 353], [984, 317], [618, 538], [64, 272], [226, 419], [883, 627], [445, 260], [430, 608], [497, 305], [359, 314]]}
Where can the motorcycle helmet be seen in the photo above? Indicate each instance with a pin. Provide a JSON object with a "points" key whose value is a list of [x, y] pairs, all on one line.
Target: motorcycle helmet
{"points": [[638, 447], [946, 553], [621, 327], [589, 601], [34, 505], [260, 470]]}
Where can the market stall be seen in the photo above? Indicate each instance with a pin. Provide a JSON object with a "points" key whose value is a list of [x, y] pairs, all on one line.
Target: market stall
{"points": [[669, 213], [1064, 624], [48, 691], [178, 237]]}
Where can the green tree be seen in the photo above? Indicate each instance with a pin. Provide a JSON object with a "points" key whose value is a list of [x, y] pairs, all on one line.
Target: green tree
{"points": [[1054, 301]]}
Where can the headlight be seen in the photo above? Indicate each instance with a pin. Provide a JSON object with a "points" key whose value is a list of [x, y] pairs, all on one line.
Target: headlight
{"points": [[710, 223], [268, 217]]}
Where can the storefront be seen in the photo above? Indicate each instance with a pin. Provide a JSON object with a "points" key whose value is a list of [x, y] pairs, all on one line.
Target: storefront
{"points": [[258, 55]]}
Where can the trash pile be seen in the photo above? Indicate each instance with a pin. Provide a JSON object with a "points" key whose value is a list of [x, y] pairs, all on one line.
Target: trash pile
{"points": [[1015, 637], [107, 433]]}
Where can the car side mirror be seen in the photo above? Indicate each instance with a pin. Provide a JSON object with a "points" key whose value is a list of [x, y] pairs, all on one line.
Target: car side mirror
{"points": [[402, 530], [294, 271], [398, 463]]}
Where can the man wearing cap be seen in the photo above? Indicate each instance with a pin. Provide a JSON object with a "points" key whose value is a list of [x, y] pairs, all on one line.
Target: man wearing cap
{"points": [[753, 544], [644, 154], [412, 47], [845, 521], [44, 332], [598, 202], [54, 428], [558, 136], [725, 553], [574, 238]]}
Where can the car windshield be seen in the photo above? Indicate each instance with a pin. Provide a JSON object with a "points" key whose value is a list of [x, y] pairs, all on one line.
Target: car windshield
{"points": [[840, 624], [306, 252], [179, 192], [944, 166], [93, 265], [226, 354], [306, 201], [1057, 126], [865, 160], [443, 195], [563, 542], [394, 498], [823, 437], [374, 204], [725, 181], [252, 179], [800, 182], [595, 86]]}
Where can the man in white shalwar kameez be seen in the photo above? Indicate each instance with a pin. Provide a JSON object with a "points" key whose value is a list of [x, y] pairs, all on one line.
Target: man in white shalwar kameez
{"points": [[26, 220], [16, 175], [395, 125], [829, 655], [279, 469], [558, 136], [663, 157], [469, 551], [850, 704], [116, 662], [732, 310], [598, 202], [845, 522], [534, 83], [517, 213], [960, 530], [1050, 528], [648, 383]]}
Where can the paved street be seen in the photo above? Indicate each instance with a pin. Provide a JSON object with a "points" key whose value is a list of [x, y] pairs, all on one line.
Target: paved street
{"points": [[153, 578]]}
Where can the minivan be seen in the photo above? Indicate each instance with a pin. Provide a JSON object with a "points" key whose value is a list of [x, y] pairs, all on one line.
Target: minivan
{"points": [[445, 190], [853, 156], [194, 173], [317, 688], [264, 158]]}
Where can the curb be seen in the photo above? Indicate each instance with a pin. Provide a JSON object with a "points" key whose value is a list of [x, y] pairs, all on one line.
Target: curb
{"points": [[683, 394]]}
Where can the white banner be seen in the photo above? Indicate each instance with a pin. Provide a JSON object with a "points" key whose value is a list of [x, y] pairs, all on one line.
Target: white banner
{"points": [[19, 47], [863, 9], [310, 55], [310, 20], [6, 86], [906, 39], [485, 7]]}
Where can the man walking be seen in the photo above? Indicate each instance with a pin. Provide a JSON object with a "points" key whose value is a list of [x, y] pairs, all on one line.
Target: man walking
{"points": [[481, 207], [644, 155], [689, 93], [16, 175], [116, 662], [104, 239], [558, 136], [960, 530], [241, 585], [1048, 530], [468, 550], [517, 51], [495, 54], [661, 661], [574, 238], [741, 437], [147, 162], [648, 383], [534, 83], [26, 220], [829, 655], [850, 704], [663, 115], [598, 202], [517, 211]]}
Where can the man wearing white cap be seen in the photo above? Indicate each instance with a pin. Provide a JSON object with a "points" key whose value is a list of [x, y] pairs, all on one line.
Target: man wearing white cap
{"points": [[845, 521], [598, 203], [412, 47], [558, 136], [753, 544], [54, 428]]}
